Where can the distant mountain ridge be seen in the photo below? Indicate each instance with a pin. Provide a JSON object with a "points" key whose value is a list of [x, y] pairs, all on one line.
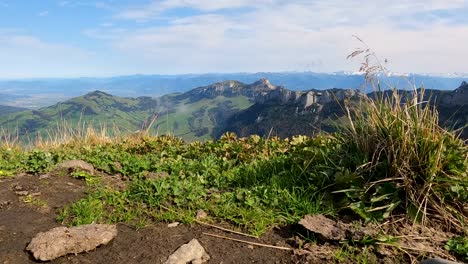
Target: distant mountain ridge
{"points": [[36, 93], [208, 111]]}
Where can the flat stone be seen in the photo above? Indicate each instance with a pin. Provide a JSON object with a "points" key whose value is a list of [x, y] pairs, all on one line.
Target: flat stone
{"points": [[76, 164], [175, 224], [438, 261], [22, 193], [61, 241], [325, 227], [192, 252]]}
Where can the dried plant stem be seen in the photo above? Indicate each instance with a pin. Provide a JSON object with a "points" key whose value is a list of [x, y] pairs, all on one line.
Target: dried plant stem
{"points": [[248, 242], [210, 225], [227, 230]]}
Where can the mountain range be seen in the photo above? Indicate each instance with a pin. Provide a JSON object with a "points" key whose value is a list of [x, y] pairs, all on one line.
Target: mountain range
{"points": [[208, 111], [37, 93]]}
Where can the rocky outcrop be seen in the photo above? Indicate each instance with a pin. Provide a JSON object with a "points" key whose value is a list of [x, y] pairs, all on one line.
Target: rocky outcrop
{"points": [[305, 99], [230, 89], [76, 165], [458, 97]]}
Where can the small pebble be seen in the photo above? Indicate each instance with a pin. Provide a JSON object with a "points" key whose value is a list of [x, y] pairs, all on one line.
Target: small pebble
{"points": [[173, 224], [201, 214], [22, 193]]}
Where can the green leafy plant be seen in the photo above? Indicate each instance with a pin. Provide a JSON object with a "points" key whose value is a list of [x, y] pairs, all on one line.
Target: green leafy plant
{"points": [[458, 245], [400, 158]]}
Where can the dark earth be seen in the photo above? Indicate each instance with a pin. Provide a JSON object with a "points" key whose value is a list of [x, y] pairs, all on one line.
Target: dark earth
{"points": [[29, 203]]}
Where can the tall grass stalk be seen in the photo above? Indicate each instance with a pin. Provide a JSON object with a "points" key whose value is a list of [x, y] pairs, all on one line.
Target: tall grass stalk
{"points": [[403, 158]]}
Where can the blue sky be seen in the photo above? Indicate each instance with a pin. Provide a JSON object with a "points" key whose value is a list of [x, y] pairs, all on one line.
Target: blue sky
{"points": [[59, 38]]}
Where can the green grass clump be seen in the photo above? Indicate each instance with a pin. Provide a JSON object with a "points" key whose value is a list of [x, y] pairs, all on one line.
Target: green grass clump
{"points": [[401, 159], [458, 245], [253, 183]]}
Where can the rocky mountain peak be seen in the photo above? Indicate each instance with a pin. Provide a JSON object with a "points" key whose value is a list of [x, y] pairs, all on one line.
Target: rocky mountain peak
{"points": [[463, 86], [264, 83]]}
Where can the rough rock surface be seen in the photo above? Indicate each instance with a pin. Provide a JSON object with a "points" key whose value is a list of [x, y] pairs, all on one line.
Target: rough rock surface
{"points": [[438, 261], [192, 252], [61, 241], [76, 164], [327, 228]]}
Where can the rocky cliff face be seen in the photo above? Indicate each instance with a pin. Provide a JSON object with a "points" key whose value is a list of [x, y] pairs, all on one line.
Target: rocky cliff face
{"points": [[263, 91], [305, 100], [230, 89], [283, 112], [458, 97]]}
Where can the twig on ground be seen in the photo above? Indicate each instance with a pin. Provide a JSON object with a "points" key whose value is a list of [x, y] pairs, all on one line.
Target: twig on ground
{"points": [[248, 242], [227, 230], [210, 225]]}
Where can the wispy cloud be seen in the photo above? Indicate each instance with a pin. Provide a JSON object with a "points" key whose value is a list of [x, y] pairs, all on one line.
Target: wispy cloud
{"points": [[270, 35], [43, 13], [155, 8]]}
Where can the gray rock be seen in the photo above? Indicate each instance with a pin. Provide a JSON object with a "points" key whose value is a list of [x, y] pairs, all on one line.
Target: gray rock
{"points": [[22, 193], [76, 164], [327, 228], [61, 241], [201, 214], [192, 252], [175, 224], [438, 261]]}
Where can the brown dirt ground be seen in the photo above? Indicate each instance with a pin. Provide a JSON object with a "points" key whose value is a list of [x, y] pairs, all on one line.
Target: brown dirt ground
{"points": [[20, 221], [29, 203]]}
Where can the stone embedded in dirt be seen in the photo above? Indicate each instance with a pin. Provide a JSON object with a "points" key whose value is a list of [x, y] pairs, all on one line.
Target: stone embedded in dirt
{"points": [[18, 188], [155, 175], [192, 252], [175, 224], [61, 241], [44, 176], [438, 261], [327, 228], [4, 204], [201, 214], [76, 164], [22, 193], [117, 165], [331, 230]]}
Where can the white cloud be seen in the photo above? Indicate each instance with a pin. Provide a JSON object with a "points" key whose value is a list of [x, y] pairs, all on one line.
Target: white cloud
{"points": [[155, 8], [43, 13], [294, 35]]}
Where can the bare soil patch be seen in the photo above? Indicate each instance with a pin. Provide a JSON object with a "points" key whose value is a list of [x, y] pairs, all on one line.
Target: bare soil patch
{"points": [[21, 218]]}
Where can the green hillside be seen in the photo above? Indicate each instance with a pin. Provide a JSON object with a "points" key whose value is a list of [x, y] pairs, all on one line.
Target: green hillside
{"points": [[96, 109], [6, 109], [181, 117], [197, 120]]}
